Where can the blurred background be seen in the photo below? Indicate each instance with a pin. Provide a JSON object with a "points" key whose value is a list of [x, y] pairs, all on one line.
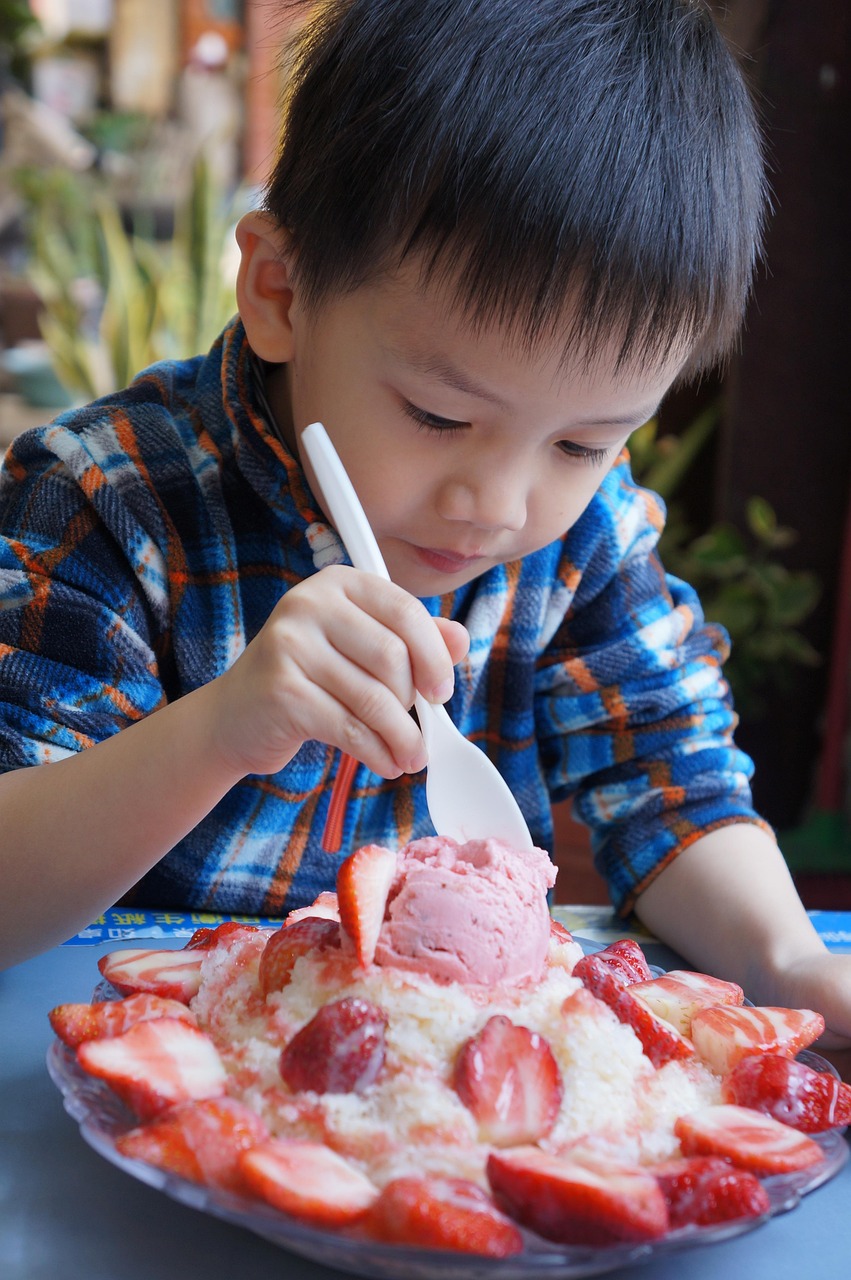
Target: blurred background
{"points": [[134, 132]]}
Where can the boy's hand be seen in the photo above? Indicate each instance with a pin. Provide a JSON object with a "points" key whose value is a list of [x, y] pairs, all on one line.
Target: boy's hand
{"points": [[339, 660]]}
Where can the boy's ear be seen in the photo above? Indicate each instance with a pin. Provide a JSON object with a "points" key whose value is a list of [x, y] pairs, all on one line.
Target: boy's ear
{"points": [[264, 291]]}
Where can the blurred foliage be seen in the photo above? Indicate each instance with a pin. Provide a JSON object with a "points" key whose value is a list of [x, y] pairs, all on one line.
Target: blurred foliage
{"points": [[738, 574], [17, 25], [114, 298]]}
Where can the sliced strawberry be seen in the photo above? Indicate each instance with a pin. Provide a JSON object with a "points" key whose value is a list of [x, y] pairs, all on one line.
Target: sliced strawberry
{"points": [[363, 883], [443, 1213], [324, 907], [747, 1139], [289, 944], [574, 1203], [563, 949], [659, 1040], [174, 975], [340, 1050], [678, 994], [625, 959], [201, 1141], [507, 1076], [810, 1101], [723, 1036], [308, 1180], [228, 931], [155, 1065], [701, 1190], [75, 1023]]}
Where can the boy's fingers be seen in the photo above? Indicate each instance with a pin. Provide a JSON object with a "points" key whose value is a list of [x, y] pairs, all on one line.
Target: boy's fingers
{"points": [[431, 660]]}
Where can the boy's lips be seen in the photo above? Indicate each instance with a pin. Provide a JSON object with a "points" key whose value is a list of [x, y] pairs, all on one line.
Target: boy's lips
{"points": [[445, 560]]}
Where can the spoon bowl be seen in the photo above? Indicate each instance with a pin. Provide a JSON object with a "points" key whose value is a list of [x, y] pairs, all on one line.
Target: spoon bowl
{"points": [[468, 798]]}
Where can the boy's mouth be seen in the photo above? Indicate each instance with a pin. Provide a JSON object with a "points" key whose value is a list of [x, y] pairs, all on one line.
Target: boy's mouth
{"points": [[446, 561]]}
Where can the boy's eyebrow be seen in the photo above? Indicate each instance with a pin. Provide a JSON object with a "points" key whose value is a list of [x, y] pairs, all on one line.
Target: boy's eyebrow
{"points": [[442, 367]]}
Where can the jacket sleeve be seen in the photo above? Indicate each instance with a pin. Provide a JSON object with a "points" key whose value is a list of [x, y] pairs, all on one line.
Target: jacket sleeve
{"points": [[634, 716], [81, 644]]}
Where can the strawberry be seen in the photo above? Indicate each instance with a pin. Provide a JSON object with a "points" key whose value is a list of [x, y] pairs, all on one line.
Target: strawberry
{"points": [[75, 1023], [324, 907], [443, 1213], [659, 1040], [562, 950], [340, 1050], [155, 1065], [701, 1190], [723, 1036], [625, 959], [575, 1203], [228, 931], [308, 1180], [507, 1077], [747, 1139], [291, 942], [174, 975], [201, 1141], [363, 884], [678, 994], [810, 1101]]}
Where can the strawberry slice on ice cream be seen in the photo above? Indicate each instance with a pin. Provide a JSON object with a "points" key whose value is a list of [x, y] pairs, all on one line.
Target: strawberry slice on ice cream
{"points": [[507, 1076], [574, 1203], [308, 1180], [678, 994], [363, 885], [659, 1040], [75, 1023], [201, 1141], [174, 975], [156, 1064], [747, 1139], [443, 1213], [723, 1036]]}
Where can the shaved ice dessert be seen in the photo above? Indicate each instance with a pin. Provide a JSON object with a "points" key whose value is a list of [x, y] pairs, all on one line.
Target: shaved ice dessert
{"points": [[424, 1057]]}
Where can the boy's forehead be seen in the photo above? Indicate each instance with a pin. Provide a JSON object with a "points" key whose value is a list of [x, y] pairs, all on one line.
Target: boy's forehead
{"points": [[426, 324]]}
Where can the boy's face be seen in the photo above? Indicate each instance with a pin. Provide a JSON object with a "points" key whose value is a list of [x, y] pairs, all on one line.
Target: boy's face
{"points": [[466, 452]]}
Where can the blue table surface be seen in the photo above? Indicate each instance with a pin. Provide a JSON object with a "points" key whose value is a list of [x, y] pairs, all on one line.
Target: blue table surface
{"points": [[67, 1214]]}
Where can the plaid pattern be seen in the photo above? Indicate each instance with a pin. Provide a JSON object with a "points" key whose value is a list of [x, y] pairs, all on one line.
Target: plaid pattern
{"points": [[146, 538]]}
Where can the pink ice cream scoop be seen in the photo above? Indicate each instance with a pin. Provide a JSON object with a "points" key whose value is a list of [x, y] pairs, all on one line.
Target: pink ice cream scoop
{"points": [[472, 913]]}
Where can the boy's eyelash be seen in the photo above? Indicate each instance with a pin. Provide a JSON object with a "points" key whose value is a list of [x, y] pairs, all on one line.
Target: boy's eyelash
{"points": [[432, 421], [594, 457], [446, 426]]}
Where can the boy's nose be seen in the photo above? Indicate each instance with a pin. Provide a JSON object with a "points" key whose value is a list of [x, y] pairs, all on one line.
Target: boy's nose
{"points": [[492, 499]]}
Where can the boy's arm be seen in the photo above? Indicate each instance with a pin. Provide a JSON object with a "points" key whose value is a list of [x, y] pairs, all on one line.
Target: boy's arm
{"points": [[78, 833], [729, 906]]}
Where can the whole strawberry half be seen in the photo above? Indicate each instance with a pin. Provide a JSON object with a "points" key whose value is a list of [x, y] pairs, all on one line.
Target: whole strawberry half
{"points": [[507, 1076], [702, 1190], [790, 1091], [340, 1050], [442, 1213], [291, 942]]}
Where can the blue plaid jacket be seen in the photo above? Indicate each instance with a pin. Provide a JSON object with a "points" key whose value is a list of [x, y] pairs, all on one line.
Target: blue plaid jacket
{"points": [[144, 540]]}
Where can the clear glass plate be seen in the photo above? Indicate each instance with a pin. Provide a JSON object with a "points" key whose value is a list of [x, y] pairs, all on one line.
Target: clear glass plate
{"points": [[102, 1117]]}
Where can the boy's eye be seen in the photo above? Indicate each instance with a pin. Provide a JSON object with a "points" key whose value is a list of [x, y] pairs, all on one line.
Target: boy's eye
{"points": [[595, 457], [432, 421]]}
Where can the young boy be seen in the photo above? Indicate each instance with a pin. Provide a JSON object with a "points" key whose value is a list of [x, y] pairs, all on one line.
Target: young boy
{"points": [[497, 232]]}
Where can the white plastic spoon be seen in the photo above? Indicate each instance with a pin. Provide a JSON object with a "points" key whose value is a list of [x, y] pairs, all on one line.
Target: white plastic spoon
{"points": [[468, 798]]}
